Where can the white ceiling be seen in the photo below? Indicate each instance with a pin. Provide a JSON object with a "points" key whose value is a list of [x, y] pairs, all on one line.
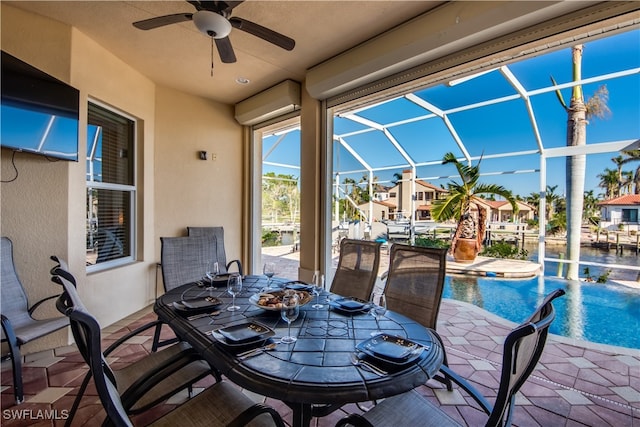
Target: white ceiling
{"points": [[179, 56]]}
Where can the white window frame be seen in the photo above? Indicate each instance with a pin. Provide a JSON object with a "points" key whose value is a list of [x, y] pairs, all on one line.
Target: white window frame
{"points": [[132, 189]]}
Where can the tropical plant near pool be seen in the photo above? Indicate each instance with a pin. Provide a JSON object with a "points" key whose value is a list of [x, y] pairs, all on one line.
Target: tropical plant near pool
{"points": [[460, 199], [505, 250]]}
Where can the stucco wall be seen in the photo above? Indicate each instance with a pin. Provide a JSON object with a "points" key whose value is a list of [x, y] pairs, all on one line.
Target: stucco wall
{"points": [[190, 191], [34, 210]]}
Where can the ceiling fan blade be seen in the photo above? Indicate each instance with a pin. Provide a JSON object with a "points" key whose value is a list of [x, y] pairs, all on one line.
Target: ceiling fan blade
{"points": [[161, 21], [263, 32], [225, 50]]}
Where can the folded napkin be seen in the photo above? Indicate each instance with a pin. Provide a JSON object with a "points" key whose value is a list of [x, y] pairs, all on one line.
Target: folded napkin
{"points": [[245, 332], [351, 304]]}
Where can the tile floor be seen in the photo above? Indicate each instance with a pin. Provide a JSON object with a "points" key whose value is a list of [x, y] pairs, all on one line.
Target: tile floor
{"points": [[576, 383]]}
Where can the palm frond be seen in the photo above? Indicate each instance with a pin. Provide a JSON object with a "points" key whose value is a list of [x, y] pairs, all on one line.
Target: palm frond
{"points": [[597, 105], [559, 94], [446, 209]]}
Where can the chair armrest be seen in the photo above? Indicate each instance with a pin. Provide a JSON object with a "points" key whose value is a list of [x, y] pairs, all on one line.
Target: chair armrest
{"points": [[133, 333], [356, 420], [466, 386], [9, 333], [33, 308], [250, 413], [235, 261]]}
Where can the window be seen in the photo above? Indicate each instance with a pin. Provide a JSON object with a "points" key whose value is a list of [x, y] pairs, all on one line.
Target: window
{"points": [[420, 195], [110, 187], [630, 215], [392, 195]]}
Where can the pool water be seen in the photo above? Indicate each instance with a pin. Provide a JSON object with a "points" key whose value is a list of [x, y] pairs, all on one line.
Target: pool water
{"points": [[600, 313]]}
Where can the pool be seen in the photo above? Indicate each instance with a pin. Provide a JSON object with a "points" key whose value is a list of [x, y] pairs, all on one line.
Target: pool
{"points": [[600, 313]]}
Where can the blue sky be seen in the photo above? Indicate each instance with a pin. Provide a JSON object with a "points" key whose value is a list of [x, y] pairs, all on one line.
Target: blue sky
{"points": [[495, 129], [24, 129]]}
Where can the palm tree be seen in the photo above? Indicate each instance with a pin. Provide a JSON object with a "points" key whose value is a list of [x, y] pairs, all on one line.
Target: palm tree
{"points": [[608, 182], [590, 207], [578, 113], [551, 201], [534, 200], [633, 156], [619, 161], [461, 196], [626, 182]]}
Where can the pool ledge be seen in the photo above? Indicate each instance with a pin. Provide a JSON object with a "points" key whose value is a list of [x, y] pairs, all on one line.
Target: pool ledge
{"points": [[606, 348], [494, 267]]}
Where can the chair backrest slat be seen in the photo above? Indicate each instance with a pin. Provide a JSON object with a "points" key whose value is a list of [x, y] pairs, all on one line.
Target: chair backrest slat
{"points": [[217, 232], [415, 282], [357, 268], [522, 350], [185, 259], [13, 299]]}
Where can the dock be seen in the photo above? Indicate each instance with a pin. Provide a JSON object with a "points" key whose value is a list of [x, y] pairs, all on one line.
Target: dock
{"points": [[620, 243]]}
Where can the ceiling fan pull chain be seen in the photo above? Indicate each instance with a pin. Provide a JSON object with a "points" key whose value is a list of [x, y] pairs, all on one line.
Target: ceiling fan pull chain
{"points": [[211, 56]]}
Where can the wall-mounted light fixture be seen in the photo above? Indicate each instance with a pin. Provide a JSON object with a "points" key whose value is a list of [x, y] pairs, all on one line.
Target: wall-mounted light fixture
{"points": [[202, 155]]}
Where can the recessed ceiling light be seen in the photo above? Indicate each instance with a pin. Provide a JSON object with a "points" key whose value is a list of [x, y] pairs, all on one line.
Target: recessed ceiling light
{"points": [[242, 80]]}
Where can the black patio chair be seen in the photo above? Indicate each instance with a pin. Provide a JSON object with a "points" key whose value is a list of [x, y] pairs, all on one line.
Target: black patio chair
{"points": [[140, 384], [522, 349], [18, 324], [221, 404], [357, 268], [184, 260], [220, 256], [414, 285]]}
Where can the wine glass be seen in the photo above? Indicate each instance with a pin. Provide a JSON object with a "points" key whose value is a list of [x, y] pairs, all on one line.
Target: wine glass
{"points": [[213, 271], [318, 288], [234, 286], [269, 270], [289, 312], [378, 309]]}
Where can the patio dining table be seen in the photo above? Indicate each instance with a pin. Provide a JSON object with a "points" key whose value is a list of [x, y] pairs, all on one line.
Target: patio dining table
{"points": [[316, 374]]}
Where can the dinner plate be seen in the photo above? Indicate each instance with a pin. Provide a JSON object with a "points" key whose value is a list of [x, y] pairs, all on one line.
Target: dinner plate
{"points": [[197, 304], [350, 304], [298, 286], [243, 334], [391, 348], [270, 301]]}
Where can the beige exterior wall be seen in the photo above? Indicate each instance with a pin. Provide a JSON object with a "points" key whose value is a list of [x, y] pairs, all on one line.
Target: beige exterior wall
{"points": [[37, 201], [312, 224], [379, 213], [190, 191]]}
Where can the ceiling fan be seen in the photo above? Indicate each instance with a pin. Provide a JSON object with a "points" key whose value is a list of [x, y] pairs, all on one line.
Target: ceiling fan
{"points": [[213, 19]]}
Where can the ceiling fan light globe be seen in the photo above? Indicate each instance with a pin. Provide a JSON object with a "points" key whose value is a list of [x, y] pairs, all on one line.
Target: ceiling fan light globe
{"points": [[212, 24]]}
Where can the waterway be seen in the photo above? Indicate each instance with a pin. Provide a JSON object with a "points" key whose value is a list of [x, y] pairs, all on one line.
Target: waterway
{"points": [[590, 254]]}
